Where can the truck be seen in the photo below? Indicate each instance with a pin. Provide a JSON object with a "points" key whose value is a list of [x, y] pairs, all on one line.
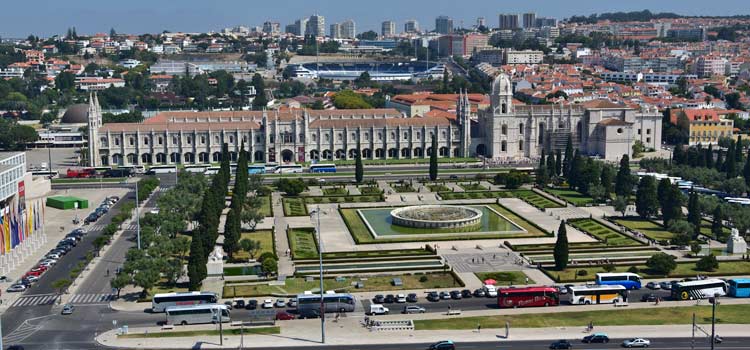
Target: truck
{"points": [[81, 173], [378, 309]]}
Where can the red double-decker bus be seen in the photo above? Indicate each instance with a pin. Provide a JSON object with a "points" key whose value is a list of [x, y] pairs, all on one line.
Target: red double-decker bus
{"points": [[528, 297]]}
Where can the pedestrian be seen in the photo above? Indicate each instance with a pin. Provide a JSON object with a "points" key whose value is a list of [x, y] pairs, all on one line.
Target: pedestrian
{"points": [[107, 272], [472, 260], [591, 326], [494, 256], [479, 328], [527, 280], [482, 260]]}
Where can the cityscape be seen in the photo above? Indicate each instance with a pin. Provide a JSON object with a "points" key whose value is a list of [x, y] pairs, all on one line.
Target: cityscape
{"points": [[376, 177]]}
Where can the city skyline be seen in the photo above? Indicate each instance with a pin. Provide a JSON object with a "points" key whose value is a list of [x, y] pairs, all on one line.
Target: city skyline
{"points": [[192, 16]]}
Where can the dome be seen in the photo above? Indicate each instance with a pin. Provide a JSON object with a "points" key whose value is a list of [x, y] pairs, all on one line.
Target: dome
{"points": [[76, 114]]}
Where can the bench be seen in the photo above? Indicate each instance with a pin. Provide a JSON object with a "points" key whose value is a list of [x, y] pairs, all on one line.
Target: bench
{"points": [[167, 327], [453, 312]]}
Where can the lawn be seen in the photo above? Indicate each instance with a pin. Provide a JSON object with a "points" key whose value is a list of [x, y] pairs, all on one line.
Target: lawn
{"points": [[706, 231], [402, 187], [726, 314], [265, 237], [438, 188], [208, 332], [296, 285], [294, 206], [647, 227], [302, 243], [335, 191], [266, 209], [686, 269], [376, 253], [536, 199], [573, 197], [603, 233], [472, 187], [371, 190], [343, 199], [475, 195], [362, 235], [505, 277]]}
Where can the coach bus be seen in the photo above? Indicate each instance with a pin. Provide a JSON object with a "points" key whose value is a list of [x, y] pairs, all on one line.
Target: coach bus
{"points": [[323, 168], [256, 169], [288, 169], [528, 297], [197, 314], [739, 288], [597, 294], [161, 301], [212, 170], [161, 169], [196, 169], [333, 302], [693, 290], [628, 280]]}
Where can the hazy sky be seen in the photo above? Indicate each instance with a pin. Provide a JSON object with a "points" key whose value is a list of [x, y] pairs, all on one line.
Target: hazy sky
{"points": [[47, 17]]}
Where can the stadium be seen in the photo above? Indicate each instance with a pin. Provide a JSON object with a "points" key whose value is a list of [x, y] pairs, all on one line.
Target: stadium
{"points": [[379, 71]]}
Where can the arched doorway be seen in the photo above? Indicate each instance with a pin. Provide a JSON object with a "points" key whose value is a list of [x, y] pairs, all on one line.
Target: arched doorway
{"points": [[105, 160], [352, 153], [189, 157], [215, 157], [379, 153], [392, 153], [340, 154], [481, 150], [287, 156], [161, 158], [405, 153], [117, 159], [444, 152], [232, 156], [456, 153], [174, 158], [258, 157], [327, 154], [314, 155], [418, 152], [366, 153], [132, 158], [203, 157]]}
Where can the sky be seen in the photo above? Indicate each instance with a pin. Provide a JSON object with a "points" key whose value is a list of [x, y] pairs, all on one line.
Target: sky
{"points": [[49, 17]]}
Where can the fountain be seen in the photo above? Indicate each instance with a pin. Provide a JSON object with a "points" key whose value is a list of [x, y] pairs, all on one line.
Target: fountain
{"points": [[437, 216]]}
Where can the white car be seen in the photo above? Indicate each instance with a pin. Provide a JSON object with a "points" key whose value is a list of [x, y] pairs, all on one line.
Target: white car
{"points": [[636, 343], [46, 263], [400, 298], [653, 285], [280, 303], [267, 304], [16, 288]]}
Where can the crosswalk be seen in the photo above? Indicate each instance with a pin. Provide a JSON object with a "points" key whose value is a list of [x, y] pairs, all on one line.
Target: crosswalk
{"points": [[129, 227], [49, 299]]}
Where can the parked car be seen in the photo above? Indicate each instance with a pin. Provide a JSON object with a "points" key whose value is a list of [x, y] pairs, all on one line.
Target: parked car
{"points": [[411, 297], [455, 295], [443, 345], [400, 298], [33, 273], [389, 299], [284, 316], [16, 288], [32, 279], [378, 299], [292, 302], [650, 297], [378, 309], [433, 296], [309, 313], [414, 309], [251, 304], [239, 303], [665, 285], [445, 295], [67, 309], [636, 343], [466, 293], [653, 285], [228, 304], [596, 338], [561, 344], [40, 268], [46, 263], [280, 303], [267, 304], [479, 293]]}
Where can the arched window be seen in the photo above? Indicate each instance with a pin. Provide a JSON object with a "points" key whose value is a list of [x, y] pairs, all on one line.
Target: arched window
{"points": [[216, 139], [504, 146], [314, 137], [406, 136], [504, 129], [393, 136], [231, 139], [520, 145], [341, 136], [328, 137], [117, 143], [520, 128], [380, 136], [504, 108], [131, 141], [419, 135], [189, 141], [174, 140], [445, 134], [161, 140], [203, 140], [145, 140]]}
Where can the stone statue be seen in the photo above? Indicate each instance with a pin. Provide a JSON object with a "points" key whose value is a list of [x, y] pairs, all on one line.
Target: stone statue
{"points": [[736, 244], [217, 254]]}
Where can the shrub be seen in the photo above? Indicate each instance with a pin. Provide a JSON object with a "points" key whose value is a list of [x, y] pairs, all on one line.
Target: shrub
{"points": [[609, 267], [582, 273], [423, 279], [634, 269], [266, 255], [707, 263]]}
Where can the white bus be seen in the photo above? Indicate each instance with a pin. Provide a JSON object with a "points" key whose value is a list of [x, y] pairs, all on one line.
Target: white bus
{"points": [[700, 289], [596, 294], [196, 169], [288, 169], [134, 169], [333, 302], [212, 170], [161, 301], [197, 314], [162, 169]]}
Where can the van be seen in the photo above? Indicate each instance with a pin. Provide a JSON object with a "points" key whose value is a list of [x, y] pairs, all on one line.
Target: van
{"points": [[490, 290], [378, 309]]}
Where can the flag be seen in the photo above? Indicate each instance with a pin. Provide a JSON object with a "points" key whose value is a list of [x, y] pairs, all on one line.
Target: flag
{"points": [[13, 229], [2, 236], [6, 228]]}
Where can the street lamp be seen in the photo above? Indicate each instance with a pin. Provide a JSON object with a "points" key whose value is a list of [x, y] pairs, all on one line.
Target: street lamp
{"points": [[137, 217], [320, 268], [714, 301]]}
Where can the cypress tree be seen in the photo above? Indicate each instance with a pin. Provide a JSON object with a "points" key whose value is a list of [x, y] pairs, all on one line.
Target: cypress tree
{"points": [[607, 178], [719, 165], [678, 155], [694, 213], [568, 161], [551, 166], [701, 156], [561, 247], [434, 160], [541, 172], [710, 156], [717, 228], [359, 171], [623, 182], [226, 173], [662, 189], [576, 167], [196, 263], [646, 203], [738, 150], [232, 229], [558, 162], [746, 170], [730, 165]]}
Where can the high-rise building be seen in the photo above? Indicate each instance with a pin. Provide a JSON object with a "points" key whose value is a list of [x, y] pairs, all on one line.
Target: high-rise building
{"points": [[444, 25], [316, 25], [529, 20], [411, 26], [508, 21], [335, 31], [348, 29], [388, 29], [481, 22], [300, 27], [546, 22], [271, 27]]}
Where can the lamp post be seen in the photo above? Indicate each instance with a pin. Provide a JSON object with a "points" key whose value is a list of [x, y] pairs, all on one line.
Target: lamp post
{"points": [[137, 217], [714, 301], [320, 268]]}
